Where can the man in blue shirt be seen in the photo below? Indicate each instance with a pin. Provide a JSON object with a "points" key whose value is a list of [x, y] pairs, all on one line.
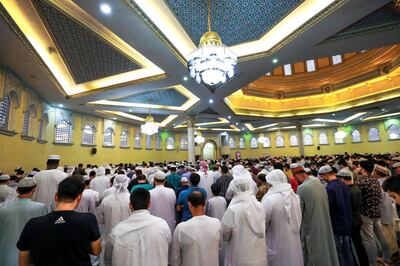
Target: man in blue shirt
{"points": [[182, 202], [174, 179], [339, 197]]}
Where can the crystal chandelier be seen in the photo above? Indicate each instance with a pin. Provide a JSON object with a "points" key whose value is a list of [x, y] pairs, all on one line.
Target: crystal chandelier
{"points": [[149, 127], [341, 134], [261, 139], [212, 63], [199, 138]]}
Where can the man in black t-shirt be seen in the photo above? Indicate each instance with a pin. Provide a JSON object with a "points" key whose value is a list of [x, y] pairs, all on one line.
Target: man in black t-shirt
{"points": [[62, 237]]}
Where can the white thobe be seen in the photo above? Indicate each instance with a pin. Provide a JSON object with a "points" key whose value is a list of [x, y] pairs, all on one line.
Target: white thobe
{"points": [[108, 191], [5, 190], [205, 182], [100, 184], [13, 218], [47, 184], [215, 175], [216, 207], [163, 201], [284, 244], [89, 201], [245, 246], [196, 242], [113, 209], [140, 240]]}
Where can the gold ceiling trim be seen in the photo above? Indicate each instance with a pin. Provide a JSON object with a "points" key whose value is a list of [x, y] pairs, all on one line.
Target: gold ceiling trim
{"points": [[221, 121], [378, 89], [157, 15], [32, 27], [163, 123], [192, 99]]}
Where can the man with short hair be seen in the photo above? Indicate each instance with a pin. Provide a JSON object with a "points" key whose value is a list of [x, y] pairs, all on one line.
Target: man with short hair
{"points": [[216, 206], [90, 198], [163, 201], [316, 229], [142, 183], [392, 186], [370, 214], [224, 180], [47, 182], [142, 239], [62, 237], [173, 178], [14, 216], [5, 190], [339, 198], [100, 182], [182, 204], [192, 245]]}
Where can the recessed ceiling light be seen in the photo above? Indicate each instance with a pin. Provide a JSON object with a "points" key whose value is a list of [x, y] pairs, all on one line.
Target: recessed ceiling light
{"points": [[275, 60], [105, 8], [211, 101], [61, 105], [229, 117], [115, 118], [333, 114], [242, 128], [185, 78], [236, 123], [130, 110], [383, 109]]}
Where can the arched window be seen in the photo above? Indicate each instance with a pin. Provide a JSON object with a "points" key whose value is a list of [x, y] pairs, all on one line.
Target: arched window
{"points": [[355, 136], [63, 132], [394, 132], [184, 144], [308, 140], [267, 142], [88, 135], [293, 140], [232, 143], [170, 143], [108, 137], [27, 121], [148, 142], [373, 134], [4, 112], [323, 139], [339, 137], [280, 142], [138, 144], [253, 143], [124, 139], [158, 142], [44, 121], [241, 143]]}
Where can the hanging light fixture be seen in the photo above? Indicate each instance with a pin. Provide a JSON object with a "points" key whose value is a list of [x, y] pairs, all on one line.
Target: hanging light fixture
{"points": [[212, 63], [199, 138], [261, 139], [149, 127]]}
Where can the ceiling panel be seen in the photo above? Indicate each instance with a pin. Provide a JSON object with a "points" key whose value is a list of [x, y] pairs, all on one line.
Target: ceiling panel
{"points": [[166, 97]]}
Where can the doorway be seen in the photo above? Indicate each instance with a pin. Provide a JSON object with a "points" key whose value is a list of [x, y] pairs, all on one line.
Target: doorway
{"points": [[209, 151]]}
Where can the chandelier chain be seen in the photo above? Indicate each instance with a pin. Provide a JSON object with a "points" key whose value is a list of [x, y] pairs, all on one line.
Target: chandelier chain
{"points": [[209, 15]]}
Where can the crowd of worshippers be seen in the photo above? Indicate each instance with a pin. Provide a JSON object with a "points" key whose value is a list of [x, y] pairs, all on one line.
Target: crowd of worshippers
{"points": [[277, 211]]}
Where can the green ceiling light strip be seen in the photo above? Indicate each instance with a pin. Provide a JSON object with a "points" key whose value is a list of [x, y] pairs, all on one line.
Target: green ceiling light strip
{"points": [[392, 121], [307, 131]]}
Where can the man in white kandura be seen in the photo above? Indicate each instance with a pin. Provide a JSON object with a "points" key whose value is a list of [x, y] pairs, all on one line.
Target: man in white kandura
{"points": [[163, 200], [101, 182], [13, 218], [115, 207], [283, 222], [197, 241], [90, 198], [243, 225], [237, 171], [47, 182], [140, 240]]}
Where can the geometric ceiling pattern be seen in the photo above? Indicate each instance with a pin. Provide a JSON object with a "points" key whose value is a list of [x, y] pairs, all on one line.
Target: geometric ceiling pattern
{"points": [[382, 19], [88, 56], [166, 97], [235, 21]]}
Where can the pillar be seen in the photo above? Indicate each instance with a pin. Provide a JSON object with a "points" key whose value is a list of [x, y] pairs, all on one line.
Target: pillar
{"points": [[299, 128], [190, 137]]}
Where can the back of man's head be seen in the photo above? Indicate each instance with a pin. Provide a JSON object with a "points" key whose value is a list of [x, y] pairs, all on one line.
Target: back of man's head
{"points": [[197, 198], [108, 171], [367, 166], [140, 199], [216, 189], [141, 177], [224, 169], [194, 179], [70, 188]]}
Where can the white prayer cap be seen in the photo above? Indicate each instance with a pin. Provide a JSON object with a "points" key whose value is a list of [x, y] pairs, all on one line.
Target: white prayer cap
{"points": [[344, 174], [27, 182], [307, 170], [184, 179], [101, 171], [276, 177], [325, 169], [54, 157], [4, 177], [159, 176]]}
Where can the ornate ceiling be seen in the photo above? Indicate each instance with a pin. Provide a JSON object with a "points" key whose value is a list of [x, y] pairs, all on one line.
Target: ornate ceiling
{"points": [[133, 60]]}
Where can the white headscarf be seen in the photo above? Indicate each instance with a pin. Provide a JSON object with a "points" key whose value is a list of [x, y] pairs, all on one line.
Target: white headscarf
{"points": [[101, 171], [279, 183], [121, 183], [241, 185]]}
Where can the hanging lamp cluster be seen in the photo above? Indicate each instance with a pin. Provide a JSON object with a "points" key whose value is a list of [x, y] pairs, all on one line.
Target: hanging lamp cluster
{"points": [[212, 63]]}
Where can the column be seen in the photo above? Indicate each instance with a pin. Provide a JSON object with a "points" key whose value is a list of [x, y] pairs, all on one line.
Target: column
{"points": [[190, 136], [299, 128]]}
